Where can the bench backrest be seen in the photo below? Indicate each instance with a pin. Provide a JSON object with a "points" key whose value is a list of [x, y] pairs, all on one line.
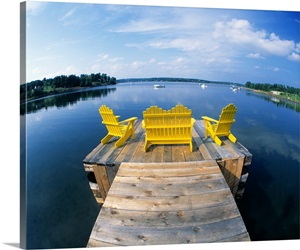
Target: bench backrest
{"points": [[176, 122]]}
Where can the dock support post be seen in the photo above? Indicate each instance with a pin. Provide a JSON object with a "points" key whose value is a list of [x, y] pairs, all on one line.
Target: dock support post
{"points": [[102, 180]]}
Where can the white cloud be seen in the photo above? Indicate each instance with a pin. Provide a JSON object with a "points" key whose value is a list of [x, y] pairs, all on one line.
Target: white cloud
{"points": [[145, 25], [34, 8], [297, 47], [68, 14], [294, 57], [102, 57], [255, 56], [241, 32], [69, 70]]}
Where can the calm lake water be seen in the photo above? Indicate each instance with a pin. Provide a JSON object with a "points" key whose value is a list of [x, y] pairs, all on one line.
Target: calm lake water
{"points": [[61, 130]]}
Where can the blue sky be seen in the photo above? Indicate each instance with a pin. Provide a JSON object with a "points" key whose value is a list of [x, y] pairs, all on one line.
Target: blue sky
{"points": [[128, 41]]}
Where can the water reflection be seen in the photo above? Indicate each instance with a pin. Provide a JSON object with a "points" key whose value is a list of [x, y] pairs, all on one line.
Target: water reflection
{"points": [[61, 209], [277, 101], [64, 100]]}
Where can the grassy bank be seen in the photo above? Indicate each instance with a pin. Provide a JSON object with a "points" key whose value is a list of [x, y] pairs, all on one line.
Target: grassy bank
{"points": [[282, 95]]}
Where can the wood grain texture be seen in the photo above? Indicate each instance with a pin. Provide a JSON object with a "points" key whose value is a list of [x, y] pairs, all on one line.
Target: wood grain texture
{"points": [[168, 203]]}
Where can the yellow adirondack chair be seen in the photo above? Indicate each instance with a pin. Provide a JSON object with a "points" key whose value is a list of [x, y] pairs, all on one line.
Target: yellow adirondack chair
{"points": [[221, 127], [123, 129]]}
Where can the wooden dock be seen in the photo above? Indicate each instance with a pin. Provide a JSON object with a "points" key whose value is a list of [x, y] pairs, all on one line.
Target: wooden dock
{"points": [[167, 195]]}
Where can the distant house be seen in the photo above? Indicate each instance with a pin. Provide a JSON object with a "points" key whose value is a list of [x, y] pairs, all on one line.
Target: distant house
{"points": [[275, 92]]}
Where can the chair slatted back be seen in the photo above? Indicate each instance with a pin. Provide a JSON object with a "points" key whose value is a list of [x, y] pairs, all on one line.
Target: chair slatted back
{"points": [[110, 120], [226, 119]]}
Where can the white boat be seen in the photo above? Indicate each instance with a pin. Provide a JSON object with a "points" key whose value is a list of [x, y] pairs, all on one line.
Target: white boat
{"points": [[156, 86], [203, 86]]}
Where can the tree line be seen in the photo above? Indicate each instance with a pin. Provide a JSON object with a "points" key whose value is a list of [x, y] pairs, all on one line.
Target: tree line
{"points": [[173, 79], [40, 88], [273, 87]]}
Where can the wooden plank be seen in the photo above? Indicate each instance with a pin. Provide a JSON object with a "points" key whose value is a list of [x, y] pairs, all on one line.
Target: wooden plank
{"points": [[104, 154], [112, 154], [232, 169], [168, 165], [224, 152], [123, 153], [190, 156], [167, 153], [168, 187], [239, 237], [177, 153], [111, 171], [240, 150], [147, 155], [132, 145], [138, 154], [201, 147], [227, 167], [169, 203], [229, 146], [157, 154], [133, 236], [98, 243], [110, 159], [168, 172], [128, 218], [137, 180], [208, 142], [91, 155], [240, 165]]}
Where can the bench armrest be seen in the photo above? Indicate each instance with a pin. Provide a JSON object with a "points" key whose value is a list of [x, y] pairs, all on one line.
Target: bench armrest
{"points": [[193, 121]]}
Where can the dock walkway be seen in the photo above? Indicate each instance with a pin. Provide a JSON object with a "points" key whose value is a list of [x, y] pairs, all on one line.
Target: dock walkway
{"points": [[167, 195]]}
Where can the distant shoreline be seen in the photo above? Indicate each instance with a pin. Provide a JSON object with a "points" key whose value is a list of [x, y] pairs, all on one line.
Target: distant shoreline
{"points": [[63, 91], [270, 94]]}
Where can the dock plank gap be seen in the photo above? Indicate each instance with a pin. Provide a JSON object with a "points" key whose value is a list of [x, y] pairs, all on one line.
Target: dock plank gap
{"points": [[168, 195]]}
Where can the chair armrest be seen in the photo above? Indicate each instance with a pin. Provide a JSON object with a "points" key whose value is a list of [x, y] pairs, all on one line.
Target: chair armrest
{"points": [[132, 119], [209, 119], [143, 124]]}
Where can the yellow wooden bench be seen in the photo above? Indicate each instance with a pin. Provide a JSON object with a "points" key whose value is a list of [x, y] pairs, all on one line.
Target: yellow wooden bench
{"points": [[168, 126]]}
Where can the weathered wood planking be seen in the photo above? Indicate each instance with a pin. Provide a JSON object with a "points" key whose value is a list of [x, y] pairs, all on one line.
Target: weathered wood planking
{"points": [[155, 204], [231, 157]]}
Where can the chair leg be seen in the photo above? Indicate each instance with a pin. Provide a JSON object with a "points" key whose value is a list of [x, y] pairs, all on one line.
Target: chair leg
{"points": [[232, 138], [120, 142], [106, 138], [132, 133], [217, 140], [145, 146]]}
